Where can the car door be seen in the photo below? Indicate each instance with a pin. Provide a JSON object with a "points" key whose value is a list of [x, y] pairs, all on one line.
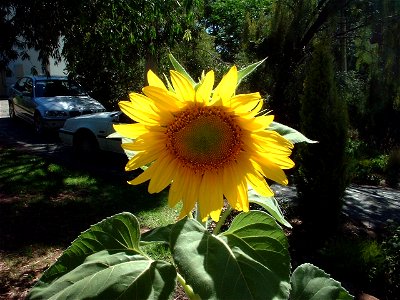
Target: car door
{"points": [[17, 96], [28, 103]]}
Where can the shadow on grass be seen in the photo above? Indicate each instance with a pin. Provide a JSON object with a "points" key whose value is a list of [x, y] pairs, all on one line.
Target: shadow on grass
{"points": [[48, 203]]}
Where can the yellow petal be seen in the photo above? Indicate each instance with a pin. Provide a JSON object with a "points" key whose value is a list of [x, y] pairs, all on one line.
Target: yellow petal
{"points": [[230, 184], [149, 140], [272, 171], [235, 184], [182, 86], [257, 124], [144, 176], [166, 167], [251, 114], [176, 190], [243, 200], [227, 86], [270, 136], [143, 158], [190, 187], [137, 115], [162, 99], [218, 202], [272, 155], [259, 184], [154, 80], [210, 196], [203, 92], [244, 103], [131, 131], [271, 143]]}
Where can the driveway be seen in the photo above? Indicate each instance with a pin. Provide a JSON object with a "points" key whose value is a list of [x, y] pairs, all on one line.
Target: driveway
{"points": [[373, 206]]}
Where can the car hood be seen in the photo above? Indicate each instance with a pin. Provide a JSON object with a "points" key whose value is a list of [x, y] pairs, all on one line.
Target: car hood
{"points": [[69, 103], [96, 116]]}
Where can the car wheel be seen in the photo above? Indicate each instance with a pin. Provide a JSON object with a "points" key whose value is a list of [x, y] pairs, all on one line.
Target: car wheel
{"points": [[11, 110], [38, 123], [85, 144]]}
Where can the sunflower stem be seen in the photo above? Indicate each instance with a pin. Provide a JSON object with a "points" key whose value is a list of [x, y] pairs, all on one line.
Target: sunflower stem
{"points": [[188, 289], [222, 219]]}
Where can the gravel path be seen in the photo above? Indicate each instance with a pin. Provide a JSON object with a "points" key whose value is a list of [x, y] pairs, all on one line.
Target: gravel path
{"points": [[374, 206]]}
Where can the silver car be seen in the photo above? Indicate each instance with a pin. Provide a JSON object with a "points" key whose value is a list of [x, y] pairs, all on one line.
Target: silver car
{"points": [[47, 102], [88, 134]]}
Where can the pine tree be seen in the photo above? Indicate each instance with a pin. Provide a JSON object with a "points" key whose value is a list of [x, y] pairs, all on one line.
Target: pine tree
{"points": [[322, 176]]}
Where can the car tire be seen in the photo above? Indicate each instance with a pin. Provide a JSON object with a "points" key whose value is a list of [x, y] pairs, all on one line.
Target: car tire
{"points": [[38, 123], [11, 110], [85, 145]]}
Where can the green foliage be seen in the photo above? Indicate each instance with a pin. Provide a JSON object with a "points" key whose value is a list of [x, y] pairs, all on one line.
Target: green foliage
{"points": [[196, 54], [43, 193], [366, 164], [270, 205], [352, 89], [391, 248], [112, 44], [108, 251], [322, 167], [248, 261], [392, 169], [371, 264], [370, 170], [226, 20], [310, 282]]}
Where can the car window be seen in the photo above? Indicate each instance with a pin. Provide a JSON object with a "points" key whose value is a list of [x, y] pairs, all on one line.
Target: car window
{"points": [[20, 85], [28, 86], [52, 88]]}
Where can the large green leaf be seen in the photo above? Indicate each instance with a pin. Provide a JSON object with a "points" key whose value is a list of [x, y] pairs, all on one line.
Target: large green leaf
{"points": [[119, 232], [289, 133], [264, 240], [159, 234], [231, 266], [112, 275], [270, 205], [311, 283]]}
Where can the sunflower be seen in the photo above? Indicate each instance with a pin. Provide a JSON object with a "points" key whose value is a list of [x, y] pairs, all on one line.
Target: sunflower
{"points": [[207, 144]]}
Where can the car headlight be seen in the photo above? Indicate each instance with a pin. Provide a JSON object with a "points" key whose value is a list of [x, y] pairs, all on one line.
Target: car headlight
{"points": [[55, 114]]}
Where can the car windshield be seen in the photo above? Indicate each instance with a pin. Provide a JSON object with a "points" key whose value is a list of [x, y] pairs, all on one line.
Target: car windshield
{"points": [[58, 87]]}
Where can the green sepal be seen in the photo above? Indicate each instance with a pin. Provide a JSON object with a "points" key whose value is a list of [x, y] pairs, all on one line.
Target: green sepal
{"points": [[243, 73], [178, 67], [289, 133]]}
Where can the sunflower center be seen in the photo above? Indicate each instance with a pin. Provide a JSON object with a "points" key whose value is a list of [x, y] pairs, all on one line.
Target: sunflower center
{"points": [[204, 138]]}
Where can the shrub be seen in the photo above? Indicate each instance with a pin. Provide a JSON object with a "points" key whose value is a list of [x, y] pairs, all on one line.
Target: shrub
{"points": [[322, 177], [392, 170]]}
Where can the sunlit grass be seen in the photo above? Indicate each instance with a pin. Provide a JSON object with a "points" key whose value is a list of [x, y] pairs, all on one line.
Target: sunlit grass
{"points": [[39, 187], [80, 181], [44, 206]]}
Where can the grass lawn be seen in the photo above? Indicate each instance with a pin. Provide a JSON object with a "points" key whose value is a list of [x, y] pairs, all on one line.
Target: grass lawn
{"points": [[44, 206]]}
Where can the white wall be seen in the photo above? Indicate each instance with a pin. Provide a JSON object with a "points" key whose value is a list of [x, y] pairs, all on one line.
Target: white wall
{"points": [[20, 68]]}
